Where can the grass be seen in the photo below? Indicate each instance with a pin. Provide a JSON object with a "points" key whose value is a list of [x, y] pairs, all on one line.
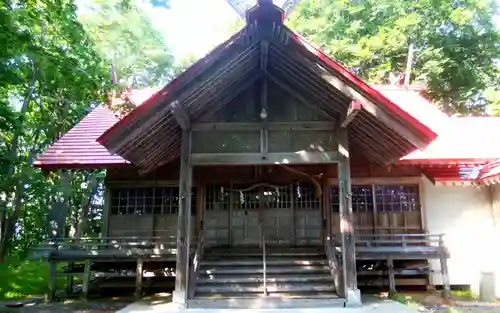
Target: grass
{"points": [[21, 279], [464, 294]]}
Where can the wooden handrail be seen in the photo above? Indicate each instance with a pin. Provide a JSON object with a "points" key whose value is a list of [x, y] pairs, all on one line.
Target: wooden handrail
{"points": [[333, 264], [193, 277]]}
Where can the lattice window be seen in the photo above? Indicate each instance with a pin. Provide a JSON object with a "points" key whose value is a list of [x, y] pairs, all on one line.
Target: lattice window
{"points": [[397, 198], [278, 198], [304, 197], [246, 199], [216, 198], [362, 199], [147, 200]]}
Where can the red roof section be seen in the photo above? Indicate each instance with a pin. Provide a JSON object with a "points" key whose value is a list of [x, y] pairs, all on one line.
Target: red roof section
{"points": [[465, 139], [460, 140], [78, 148], [490, 173]]}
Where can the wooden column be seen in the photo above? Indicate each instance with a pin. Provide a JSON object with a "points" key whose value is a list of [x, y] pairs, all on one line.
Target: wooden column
{"points": [[351, 293], [392, 279], [184, 220], [56, 224], [138, 278]]}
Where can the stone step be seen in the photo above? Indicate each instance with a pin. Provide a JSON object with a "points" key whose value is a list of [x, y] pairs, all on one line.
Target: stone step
{"points": [[271, 287], [258, 262], [253, 301], [258, 269], [255, 278], [254, 252]]}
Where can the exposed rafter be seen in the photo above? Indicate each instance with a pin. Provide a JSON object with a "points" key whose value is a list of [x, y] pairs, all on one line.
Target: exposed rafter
{"points": [[180, 114], [352, 111]]}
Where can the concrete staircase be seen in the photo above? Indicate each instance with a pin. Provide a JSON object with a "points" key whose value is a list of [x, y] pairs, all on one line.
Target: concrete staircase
{"points": [[295, 277]]}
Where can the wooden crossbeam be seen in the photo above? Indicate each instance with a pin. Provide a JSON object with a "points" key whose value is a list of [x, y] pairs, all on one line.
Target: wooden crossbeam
{"points": [[253, 126], [352, 111], [180, 114], [301, 157]]}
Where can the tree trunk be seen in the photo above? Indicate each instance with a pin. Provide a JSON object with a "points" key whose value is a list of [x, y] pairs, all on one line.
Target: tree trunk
{"points": [[87, 201], [6, 223]]}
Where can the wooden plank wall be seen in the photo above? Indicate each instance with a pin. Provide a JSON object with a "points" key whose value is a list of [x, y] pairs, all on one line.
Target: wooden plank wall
{"points": [[362, 171]]}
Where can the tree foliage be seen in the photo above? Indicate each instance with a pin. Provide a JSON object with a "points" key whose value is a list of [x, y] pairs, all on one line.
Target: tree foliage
{"points": [[126, 38], [53, 70], [50, 73], [456, 43]]}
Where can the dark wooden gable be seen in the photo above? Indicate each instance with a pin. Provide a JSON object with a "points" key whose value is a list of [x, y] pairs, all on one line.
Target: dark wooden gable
{"points": [[264, 119]]}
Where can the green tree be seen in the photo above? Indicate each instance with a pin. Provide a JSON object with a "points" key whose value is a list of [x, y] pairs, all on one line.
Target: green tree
{"points": [[126, 38], [50, 74], [455, 43]]}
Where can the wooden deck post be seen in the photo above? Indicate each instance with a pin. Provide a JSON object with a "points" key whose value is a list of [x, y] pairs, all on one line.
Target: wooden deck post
{"points": [[56, 224], [351, 291], [183, 225], [392, 280], [86, 280], [52, 281], [138, 278], [444, 269]]}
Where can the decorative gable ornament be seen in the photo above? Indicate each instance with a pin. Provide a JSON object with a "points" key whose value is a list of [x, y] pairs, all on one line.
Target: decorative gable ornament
{"points": [[243, 6]]}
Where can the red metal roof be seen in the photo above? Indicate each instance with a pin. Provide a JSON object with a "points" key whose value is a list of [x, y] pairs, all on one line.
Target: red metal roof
{"points": [[78, 148], [463, 140], [490, 172]]}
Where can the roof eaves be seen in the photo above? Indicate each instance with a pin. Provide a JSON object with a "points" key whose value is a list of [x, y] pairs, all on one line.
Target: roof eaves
{"points": [[366, 88], [181, 78]]}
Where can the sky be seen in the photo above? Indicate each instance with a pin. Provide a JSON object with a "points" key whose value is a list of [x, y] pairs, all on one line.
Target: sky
{"points": [[193, 27]]}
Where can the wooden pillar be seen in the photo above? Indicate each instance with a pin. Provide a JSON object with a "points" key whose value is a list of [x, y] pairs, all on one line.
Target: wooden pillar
{"points": [[86, 279], [444, 269], [351, 291], [56, 224], [183, 224], [392, 279], [52, 281], [138, 278]]}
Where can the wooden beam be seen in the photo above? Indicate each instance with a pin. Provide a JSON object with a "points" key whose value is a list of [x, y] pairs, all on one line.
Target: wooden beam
{"points": [[183, 224], [264, 53], [389, 120], [283, 126], [138, 278], [300, 157], [180, 114], [346, 219], [352, 111]]}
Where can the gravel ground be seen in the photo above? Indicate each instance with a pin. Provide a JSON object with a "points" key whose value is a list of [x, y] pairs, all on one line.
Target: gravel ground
{"points": [[101, 306]]}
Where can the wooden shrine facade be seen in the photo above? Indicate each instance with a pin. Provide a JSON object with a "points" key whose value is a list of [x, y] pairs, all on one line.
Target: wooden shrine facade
{"points": [[258, 139]]}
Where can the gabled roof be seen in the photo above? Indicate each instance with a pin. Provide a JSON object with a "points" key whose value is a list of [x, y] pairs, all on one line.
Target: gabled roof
{"points": [[384, 130], [78, 148], [463, 140]]}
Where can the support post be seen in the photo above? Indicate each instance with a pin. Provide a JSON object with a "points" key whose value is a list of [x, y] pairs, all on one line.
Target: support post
{"points": [[392, 280], [351, 294], [138, 278], [56, 224], [183, 225], [52, 281], [70, 280], [444, 269], [86, 280]]}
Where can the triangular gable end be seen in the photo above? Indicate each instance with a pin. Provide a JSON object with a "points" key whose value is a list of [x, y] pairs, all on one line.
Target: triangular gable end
{"points": [[150, 135]]}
